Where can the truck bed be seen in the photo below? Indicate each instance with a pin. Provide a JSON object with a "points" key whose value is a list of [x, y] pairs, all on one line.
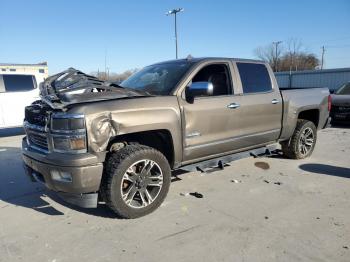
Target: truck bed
{"points": [[298, 99]]}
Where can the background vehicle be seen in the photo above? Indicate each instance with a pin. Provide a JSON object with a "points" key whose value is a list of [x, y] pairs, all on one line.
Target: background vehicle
{"points": [[89, 138], [18, 88], [340, 112]]}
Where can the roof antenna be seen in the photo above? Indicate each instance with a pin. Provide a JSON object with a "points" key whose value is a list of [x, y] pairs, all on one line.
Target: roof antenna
{"points": [[189, 58]]}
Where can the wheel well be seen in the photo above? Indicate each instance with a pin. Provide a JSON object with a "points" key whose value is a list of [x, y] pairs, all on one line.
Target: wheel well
{"points": [[311, 115], [160, 140]]}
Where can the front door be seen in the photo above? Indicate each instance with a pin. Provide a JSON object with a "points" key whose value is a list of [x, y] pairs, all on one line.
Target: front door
{"points": [[210, 123]]}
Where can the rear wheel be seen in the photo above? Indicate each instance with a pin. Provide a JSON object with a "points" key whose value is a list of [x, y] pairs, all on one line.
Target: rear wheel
{"points": [[136, 181], [302, 142]]}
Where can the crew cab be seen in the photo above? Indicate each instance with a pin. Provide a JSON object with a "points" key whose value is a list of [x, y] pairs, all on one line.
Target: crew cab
{"points": [[93, 141]]}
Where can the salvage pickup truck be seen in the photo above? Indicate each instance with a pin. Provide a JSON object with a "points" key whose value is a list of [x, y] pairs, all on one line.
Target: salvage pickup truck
{"points": [[92, 141]]}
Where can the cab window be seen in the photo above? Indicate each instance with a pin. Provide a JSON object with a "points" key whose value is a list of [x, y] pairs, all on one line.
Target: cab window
{"points": [[254, 77], [218, 75]]}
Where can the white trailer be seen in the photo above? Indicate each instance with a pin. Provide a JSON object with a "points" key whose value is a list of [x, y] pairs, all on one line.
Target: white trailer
{"points": [[19, 87]]}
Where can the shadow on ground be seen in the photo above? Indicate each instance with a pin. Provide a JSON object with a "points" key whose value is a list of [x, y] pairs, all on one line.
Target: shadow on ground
{"points": [[326, 170], [18, 190]]}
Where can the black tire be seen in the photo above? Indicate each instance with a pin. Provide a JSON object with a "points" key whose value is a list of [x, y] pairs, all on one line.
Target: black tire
{"points": [[292, 147], [116, 166]]}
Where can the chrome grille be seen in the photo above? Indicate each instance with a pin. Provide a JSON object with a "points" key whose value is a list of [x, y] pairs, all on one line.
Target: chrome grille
{"points": [[38, 140]]}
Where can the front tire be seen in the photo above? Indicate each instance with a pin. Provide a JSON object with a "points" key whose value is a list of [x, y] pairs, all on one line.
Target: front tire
{"points": [[136, 180], [302, 142]]}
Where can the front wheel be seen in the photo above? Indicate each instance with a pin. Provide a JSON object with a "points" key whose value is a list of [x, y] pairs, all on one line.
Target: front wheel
{"points": [[302, 142], [136, 181]]}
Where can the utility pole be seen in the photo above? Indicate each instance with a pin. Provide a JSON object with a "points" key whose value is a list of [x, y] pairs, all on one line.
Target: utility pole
{"points": [[322, 57], [105, 65], [276, 58], [174, 12]]}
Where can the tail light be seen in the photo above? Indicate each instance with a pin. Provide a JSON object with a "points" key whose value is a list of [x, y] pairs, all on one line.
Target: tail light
{"points": [[329, 102]]}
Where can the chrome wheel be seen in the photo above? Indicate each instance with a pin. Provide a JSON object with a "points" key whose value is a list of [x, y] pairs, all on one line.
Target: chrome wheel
{"points": [[141, 183], [306, 141]]}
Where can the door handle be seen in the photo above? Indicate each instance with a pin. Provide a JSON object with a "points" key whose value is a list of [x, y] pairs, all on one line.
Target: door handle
{"points": [[233, 106], [275, 101]]}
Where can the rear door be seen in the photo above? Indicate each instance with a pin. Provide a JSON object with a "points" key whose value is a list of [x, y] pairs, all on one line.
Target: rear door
{"points": [[260, 104], [20, 91]]}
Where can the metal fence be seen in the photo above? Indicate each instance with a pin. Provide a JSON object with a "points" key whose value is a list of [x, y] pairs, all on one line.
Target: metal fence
{"points": [[331, 78]]}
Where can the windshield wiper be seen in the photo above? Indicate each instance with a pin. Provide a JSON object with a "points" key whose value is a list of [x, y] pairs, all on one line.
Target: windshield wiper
{"points": [[131, 89]]}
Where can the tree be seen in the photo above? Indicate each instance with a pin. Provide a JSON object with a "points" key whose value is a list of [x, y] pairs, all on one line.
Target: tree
{"points": [[290, 57], [114, 77], [298, 62]]}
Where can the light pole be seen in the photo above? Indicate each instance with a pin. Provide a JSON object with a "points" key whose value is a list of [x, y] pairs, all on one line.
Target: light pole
{"points": [[276, 47], [174, 12]]}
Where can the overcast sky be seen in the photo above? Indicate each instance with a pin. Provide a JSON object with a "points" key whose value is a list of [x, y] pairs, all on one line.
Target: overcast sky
{"points": [[137, 33]]}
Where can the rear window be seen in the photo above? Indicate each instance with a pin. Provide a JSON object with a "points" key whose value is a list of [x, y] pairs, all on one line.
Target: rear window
{"points": [[17, 83], [255, 78]]}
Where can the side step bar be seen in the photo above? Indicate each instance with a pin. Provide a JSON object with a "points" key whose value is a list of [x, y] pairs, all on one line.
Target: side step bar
{"points": [[221, 162]]}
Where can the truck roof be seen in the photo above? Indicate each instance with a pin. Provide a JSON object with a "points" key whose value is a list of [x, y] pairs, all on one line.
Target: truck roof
{"points": [[202, 59]]}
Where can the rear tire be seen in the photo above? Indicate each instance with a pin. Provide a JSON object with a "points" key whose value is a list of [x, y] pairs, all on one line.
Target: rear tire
{"points": [[136, 180], [302, 142]]}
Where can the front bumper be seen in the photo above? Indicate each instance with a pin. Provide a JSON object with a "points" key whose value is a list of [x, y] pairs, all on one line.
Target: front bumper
{"points": [[85, 171]]}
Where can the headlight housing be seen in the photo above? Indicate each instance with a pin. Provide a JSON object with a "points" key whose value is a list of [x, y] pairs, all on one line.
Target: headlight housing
{"points": [[67, 122], [68, 133]]}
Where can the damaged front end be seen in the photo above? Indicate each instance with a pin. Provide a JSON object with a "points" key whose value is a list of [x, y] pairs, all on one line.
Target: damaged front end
{"points": [[57, 150]]}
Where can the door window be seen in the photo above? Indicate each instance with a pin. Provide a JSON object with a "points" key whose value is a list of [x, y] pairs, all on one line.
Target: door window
{"points": [[218, 75], [18, 83], [254, 77]]}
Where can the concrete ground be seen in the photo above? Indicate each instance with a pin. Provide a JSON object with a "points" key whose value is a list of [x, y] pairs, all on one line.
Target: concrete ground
{"points": [[277, 210]]}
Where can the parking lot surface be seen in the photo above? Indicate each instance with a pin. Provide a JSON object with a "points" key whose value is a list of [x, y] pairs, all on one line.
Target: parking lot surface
{"points": [[256, 209]]}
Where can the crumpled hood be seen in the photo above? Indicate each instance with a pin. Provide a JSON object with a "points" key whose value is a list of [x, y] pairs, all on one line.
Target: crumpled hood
{"points": [[341, 100], [73, 87]]}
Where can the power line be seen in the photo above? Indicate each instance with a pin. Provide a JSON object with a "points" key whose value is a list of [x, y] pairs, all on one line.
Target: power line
{"points": [[338, 46]]}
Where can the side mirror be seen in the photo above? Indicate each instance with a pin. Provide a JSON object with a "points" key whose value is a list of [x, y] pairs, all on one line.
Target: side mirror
{"points": [[199, 89]]}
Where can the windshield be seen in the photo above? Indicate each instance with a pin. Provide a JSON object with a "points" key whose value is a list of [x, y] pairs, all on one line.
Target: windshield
{"points": [[344, 89], [158, 79]]}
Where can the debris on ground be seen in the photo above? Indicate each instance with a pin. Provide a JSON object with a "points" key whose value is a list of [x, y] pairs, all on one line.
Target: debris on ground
{"points": [[278, 183], [266, 217], [196, 194], [345, 247], [235, 181], [175, 178], [262, 165], [267, 182]]}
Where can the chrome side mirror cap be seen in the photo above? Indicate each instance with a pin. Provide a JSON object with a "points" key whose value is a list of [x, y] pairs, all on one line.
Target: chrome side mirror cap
{"points": [[199, 89]]}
